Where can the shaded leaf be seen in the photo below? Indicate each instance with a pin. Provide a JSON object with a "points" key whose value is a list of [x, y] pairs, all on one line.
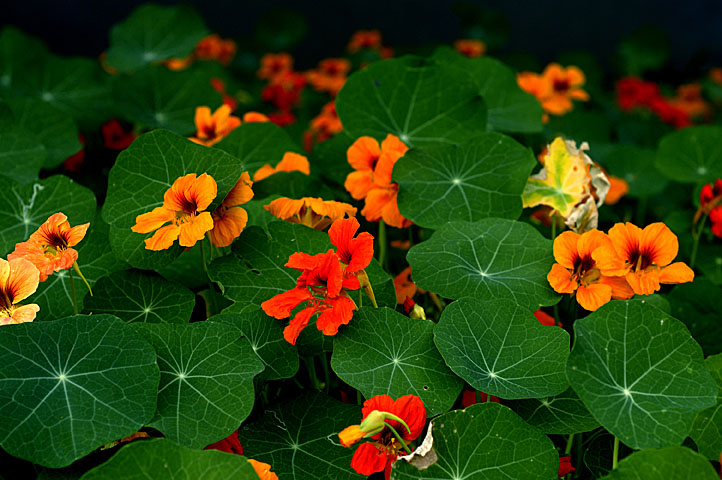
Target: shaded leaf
{"points": [[637, 167], [21, 155], [663, 464], [707, 427], [258, 143], [561, 414], [697, 305], [691, 155]]}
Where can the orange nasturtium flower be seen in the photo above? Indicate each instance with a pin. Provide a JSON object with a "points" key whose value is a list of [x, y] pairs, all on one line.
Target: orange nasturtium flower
{"points": [[263, 470], [312, 212], [291, 162], [643, 257], [404, 286], [471, 48], [229, 219], [18, 280], [48, 248], [183, 206], [391, 425], [363, 39], [330, 75], [577, 271], [618, 187], [555, 88], [212, 128], [273, 64], [213, 47]]}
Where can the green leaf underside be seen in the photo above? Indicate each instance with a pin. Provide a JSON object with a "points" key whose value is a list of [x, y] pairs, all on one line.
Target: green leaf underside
{"points": [[489, 259], [256, 144], [135, 296], [65, 390], [691, 155], [206, 380], [28, 206], [418, 100], [481, 178], [502, 349], [160, 458], [485, 442], [561, 414], [299, 438], [663, 464], [153, 33], [707, 427], [640, 373], [382, 352], [140, 177], [265, 335]]}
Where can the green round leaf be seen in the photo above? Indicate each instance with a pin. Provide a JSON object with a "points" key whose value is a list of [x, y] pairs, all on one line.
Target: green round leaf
{"points": [[21, 155], [561, 414], [28, 206], [206, 380], [72, 385], [266, 337], [299, 438], [647, 48], [18, 52], [640, 373], [258, 143], [697, 305], [489, 259], [663, 464], [161, 458], [382, 352], [135, 296], [485, 442], [482, 178], [691, 155], [707, 427], [418, 100], [140, 177], [152, 33], [637, 167], [502, 349]]}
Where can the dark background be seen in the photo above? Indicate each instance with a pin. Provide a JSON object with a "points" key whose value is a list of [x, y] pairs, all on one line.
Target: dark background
{"points": [[542, 28]]}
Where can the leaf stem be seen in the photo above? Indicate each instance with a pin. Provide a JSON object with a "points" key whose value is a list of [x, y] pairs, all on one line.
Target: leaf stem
{"points": [[72, 289], [77, 269], [311, 369], [382, 243], [696, 235], [615, 454], [570, 442], [554, 226], [326, 373]]}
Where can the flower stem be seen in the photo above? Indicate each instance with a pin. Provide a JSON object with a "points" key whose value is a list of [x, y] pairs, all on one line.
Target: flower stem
{"points": [[398, 437], [437, 301], [570, 442], [72, 289], [695, 245], [326, 373], [382, 242], [203, 257], [554, 226], [360, 298], [311, 369], [615, 454], [77, 269]]}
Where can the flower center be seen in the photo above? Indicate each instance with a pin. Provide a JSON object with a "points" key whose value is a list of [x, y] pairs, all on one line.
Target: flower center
{"points": [[640, 261], [585, 271], [561, 85], [388, 445]]}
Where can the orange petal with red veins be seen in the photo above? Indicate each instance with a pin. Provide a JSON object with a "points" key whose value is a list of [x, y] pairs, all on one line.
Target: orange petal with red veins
{"points": [[363, 153], [203, 190], [678, 272], [228, 226], [194, 231], [25, 313], [625, 237], [163, 238], [565, 249], [76, 234], [299, 322], [202, 119], [593, 296], [560, 279], [590, 241], [660, 242], [152, 220], [240, 193], [359, 183], [644, 283], [175, 197], [21, 278]]}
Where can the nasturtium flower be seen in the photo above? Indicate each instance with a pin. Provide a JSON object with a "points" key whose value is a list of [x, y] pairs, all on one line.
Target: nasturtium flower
{"points": [[273, 64], [284, 90], [577, 271], [390, 425], [18, 280], [643, 256], [565, 466], [618, 188], [355, 252], [212, 128], [633, 92], [404, 286], [115, 137], [330, 75], [544, 318], [229, 219], [213, 47], [49, 247], [689, 100], [471, 48], [312, 212], [184, 205], [364, 39], [230, 444], [291, 162], [322, 127], [263, 470], [555, 88], [715, 216]]}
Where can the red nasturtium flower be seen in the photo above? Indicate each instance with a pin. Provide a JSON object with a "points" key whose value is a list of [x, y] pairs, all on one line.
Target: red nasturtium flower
{"points": [[364, 39], [183, 206], [391, 425], [48, 248], [312, 212], [74, 162], [115, 137], [284, 90], [291, 162], [273, 64], [577, 271], [468, 398], [229, 219], [565, 466], [404, 286], [213, 47], [230, 444], [263, 470], [544, 318], [18, 280], [471, 48], [643, 257], [322, 127]]}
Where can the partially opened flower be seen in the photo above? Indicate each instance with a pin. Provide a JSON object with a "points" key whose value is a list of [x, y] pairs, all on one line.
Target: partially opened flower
{"points": [[471, 48], [312, 212], [183, 207], [618, 188], [229, 219], [323, 126], [212, 128], [49, 247], [263, 470], [390, 425], [291, 162], [565, 466], [577, 272], [18, 280], [643, 257]]}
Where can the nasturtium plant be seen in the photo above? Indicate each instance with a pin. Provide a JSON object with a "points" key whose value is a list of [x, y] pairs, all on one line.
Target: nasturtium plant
{"points": [[564, 413], [257, 144], [663, 463], [21, 155], [691, 155], [637, 167], [707, 427]]}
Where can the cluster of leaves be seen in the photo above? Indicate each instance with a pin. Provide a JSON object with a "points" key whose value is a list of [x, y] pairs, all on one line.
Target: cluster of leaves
{"points": [[189, 356]]}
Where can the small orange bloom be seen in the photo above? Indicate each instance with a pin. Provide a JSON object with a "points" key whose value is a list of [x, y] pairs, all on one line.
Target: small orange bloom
{"points": [[643, 257], [323, 126], [177, 64], [48, 248], [364, 39], [183, 206], [618, 187], [330, 75], [312, 212], [229, 219], [291, 162], [689, 100], [263, 470], [577, 271], [404, 286], [715, 74], [555, 88], [213, 47], [18, 280], [471, 48], [212, 128], [273, 64]]}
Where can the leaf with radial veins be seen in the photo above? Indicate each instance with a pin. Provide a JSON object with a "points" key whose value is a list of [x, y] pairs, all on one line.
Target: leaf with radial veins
{"points": [[707, 427], [640, 373], [206, 380], [502, 349], [489, 259], [561, 414], [481, 178], [299, 438], [258, 143], [485, 442], [135, 296], [69, 386], [21, 155], [418, 100], [382, 352], [691, 155], [663, 464]]}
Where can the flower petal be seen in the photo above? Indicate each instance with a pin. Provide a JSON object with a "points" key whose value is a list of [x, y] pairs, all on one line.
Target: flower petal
{"points": [[203, 191], [227, 225], [368, 459], [22, 281], [560, 279], [644, 282], [359, 183], [678, 272], [363, 153], [350, 435], [76, 234], [340, 313], [194, 231], [240, 193], [593, 296], [299, 322], [163, 238], [280, 306], [153, 220], [565, 249], [590, 241], [659, 243], [621, 290]]}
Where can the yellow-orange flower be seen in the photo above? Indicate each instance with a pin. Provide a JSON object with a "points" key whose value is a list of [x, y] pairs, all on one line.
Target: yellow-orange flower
{"points": [[291, 162], [229, 219], [18, 280], [689, 100], [330, 75], [643, 257], [618, 187], [213, 47], [183, 206], [555, 88], [274, 64], [312, 212], [471, 48], [576, 270], [263, 470], [48, 248], [212, 128]]}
